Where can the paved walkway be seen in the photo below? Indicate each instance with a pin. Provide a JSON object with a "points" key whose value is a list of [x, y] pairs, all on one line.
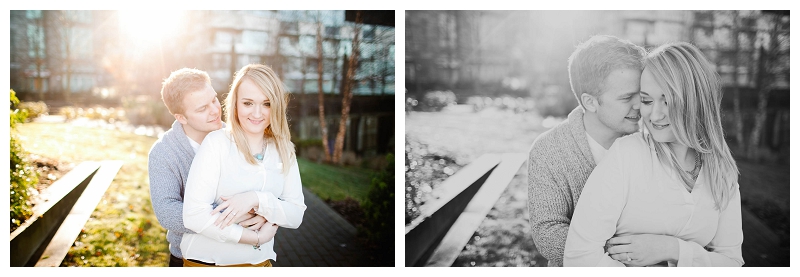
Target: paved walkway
{"points": [[761, 247], [324, 239]]}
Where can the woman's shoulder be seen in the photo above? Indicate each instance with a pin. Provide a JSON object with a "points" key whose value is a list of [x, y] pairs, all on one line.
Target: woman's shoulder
{"points": [[218, 138], [633, 144], [218, 135], [632, 140]]}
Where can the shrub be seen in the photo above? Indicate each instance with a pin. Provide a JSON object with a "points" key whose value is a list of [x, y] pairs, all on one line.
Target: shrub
{"points": [[555, 101], [69, 113], [349, 158], [34, 109], [437, 100], [23, 176], [379, 211], [146, 110]]}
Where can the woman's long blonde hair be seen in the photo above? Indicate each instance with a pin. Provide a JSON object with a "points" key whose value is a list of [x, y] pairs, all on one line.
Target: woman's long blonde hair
{"points": [[278, 129], [693, 93]]}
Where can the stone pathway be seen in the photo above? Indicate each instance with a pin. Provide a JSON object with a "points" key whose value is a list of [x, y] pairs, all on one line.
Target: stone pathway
{"points": [[324, 239]]}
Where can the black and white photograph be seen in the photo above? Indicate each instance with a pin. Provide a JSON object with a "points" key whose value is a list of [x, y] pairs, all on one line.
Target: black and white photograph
{"points": [[597, 138]]}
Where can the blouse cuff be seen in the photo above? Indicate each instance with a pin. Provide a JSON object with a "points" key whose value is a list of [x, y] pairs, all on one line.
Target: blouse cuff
{"points": [[686, 254], [263, 203], [235, 233]]}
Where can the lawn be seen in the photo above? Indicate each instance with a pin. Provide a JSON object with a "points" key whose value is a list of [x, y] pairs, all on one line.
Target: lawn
{"points": [[123, 230], [333, 182]]}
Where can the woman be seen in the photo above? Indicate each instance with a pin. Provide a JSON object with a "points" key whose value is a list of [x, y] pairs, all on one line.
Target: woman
{"points": [[668, 195], [249, 167]]}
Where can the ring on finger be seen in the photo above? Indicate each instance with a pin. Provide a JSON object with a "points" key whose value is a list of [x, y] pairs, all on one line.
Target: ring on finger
{"points": [[629, 256]]}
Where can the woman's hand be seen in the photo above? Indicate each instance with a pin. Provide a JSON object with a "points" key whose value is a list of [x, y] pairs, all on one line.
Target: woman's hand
{"points": [[236, 208], [643, 250], [267, 233]]}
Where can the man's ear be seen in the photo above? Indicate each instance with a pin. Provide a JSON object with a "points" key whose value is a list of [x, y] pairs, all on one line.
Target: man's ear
{"points": [[589, 102], [180, 118]]}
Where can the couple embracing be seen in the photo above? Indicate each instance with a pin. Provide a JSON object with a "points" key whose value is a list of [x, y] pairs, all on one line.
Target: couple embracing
{"points": [[639, 174], [222, 190]]}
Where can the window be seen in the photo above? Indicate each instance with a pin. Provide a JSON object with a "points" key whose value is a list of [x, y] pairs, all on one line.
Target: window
{"points": [[289, 28], [35, 41], [289, 46], [222, 38], [311, 65], [33, 14], [638, 31], [331, 31], [255, 39], [369, 32]]}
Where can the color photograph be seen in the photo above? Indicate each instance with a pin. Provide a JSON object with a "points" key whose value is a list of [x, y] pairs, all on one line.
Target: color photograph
{"points": [[171, 138]]}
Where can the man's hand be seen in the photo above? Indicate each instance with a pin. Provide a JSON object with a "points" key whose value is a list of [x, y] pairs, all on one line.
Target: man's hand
{"points": [[255, 222], [236, 208], [643, 250]]}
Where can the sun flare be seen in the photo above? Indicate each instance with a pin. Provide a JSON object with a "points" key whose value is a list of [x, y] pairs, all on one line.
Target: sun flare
{"points": [[149, 27]]}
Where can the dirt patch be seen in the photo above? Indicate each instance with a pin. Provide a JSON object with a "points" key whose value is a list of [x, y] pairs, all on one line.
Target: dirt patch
{"points": [[348, 208]]}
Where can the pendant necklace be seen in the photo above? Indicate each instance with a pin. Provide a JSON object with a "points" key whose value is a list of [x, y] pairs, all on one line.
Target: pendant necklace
{"points": [[697, 164], [260, 156]]}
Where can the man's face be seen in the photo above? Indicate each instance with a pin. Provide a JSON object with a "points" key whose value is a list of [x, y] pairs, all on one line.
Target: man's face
{"points": [[201, 111], [618, 104]]}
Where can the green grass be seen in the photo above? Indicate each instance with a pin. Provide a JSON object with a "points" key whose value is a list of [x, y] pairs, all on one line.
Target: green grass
{"points": [[333, 182], [123, 230]]}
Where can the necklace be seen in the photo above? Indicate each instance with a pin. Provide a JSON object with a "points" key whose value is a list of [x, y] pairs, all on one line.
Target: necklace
{"points": [[697, 164], [260, 156]]}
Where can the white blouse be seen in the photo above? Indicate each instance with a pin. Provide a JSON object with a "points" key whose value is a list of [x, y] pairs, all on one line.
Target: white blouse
{"points": [[219, 169], [630, 192]]}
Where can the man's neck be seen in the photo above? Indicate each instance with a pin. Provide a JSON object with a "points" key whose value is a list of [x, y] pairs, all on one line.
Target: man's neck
{"points": [[196, 136], [599, 132]]}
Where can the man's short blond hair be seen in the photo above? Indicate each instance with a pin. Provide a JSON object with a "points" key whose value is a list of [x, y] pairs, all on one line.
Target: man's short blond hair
{"points": [[179, 83], [594, 59]]}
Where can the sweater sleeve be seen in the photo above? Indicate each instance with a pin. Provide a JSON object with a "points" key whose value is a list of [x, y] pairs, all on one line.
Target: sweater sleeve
{"points": [[725, 247], [165, 190], [596, 214], [287, 209], [548, 208], [201, 194]]}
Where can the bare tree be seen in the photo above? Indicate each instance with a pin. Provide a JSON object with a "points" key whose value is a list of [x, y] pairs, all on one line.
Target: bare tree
{"points": [[321, 94], [737, 105], [36, 43], [347, 92], [771, 51], [62, 25]]}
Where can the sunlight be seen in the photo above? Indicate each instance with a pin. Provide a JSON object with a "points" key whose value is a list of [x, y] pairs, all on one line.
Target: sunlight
{"points": [[147, 28]]}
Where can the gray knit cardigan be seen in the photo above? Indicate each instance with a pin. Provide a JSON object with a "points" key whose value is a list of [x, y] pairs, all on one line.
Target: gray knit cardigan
{"points": [[168, 166], [559, 162]]}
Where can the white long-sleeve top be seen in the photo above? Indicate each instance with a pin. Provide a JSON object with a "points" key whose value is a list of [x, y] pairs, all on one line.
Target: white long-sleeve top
{"points": [[219, 169], [631, 192]]}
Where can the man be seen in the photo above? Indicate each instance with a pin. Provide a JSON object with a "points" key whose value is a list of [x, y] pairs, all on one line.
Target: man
{"points": [[191, 99], [604, 74]]}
